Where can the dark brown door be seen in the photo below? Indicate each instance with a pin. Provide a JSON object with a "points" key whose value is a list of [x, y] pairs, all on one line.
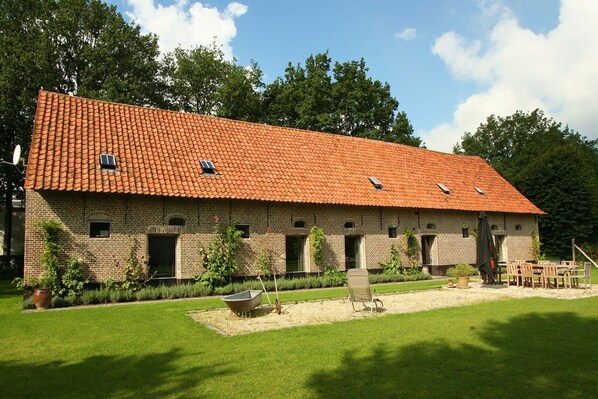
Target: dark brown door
{"points": [[162, 256]]}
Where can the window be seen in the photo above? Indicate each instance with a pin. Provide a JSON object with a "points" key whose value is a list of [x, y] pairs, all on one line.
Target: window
{"points": [[480, 191], [107, 161], [376, 183], [176, 222], [392, 232], [99, 230], [349, 225], [444, 188], [431, 226], [465, 232], [300, 224], [494, 227], [244, 229], [518, 227], [207, 167]]}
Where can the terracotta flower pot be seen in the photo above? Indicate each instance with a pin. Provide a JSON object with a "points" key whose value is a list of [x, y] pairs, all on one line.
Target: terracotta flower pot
{"points": [[463, 282], [42, 297]]}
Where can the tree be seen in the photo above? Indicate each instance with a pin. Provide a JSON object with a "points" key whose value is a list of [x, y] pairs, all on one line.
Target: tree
{"points": [[201, 80], [555, 167], [563, 184], [303, 98], [340, 99], [80, 47]]}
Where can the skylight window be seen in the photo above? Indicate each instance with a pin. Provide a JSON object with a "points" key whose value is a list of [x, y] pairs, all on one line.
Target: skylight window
{"points": [[444, 188], [207, 167], [107, 161], [376, 183], [480, 191]]}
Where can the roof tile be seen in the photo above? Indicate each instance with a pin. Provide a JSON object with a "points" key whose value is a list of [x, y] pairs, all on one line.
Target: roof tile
{"points": [[158, 153]]}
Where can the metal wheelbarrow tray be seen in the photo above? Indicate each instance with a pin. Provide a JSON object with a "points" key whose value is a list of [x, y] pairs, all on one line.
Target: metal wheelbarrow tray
{"points": [[243, 302]]}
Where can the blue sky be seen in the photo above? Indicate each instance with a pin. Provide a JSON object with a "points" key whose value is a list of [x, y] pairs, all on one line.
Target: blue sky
{"points": [[450, 63]]}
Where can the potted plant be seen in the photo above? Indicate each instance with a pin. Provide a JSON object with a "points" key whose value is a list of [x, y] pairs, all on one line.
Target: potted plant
{"points": [[462, 271], [42, 294]]}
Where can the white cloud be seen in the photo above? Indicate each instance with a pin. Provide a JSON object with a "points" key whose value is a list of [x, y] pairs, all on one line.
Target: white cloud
{"points": [[187, 24], [523, 70], [406, 34]]}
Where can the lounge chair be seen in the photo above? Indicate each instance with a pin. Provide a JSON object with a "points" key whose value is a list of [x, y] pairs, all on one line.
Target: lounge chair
{"points": [[359, 289]]}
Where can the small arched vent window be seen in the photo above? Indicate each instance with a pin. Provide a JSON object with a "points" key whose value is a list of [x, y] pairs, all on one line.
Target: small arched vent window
{"points": [[431, 226], [300, 224], [176, 222], [349, 225], [518, 227], [494, 227]]}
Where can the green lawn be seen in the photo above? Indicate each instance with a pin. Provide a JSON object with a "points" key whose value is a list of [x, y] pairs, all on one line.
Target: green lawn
{"points": [[532, 348]]}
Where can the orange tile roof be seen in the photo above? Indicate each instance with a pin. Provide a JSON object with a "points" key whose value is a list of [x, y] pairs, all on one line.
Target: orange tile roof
{"points": [[158, 153]]}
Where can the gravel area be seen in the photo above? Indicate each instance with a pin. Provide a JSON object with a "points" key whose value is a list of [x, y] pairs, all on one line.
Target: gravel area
{"points": [[296, 314]]}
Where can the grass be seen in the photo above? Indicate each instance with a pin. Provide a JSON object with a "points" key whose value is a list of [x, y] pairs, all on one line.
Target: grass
{"points": [[532, 348]]}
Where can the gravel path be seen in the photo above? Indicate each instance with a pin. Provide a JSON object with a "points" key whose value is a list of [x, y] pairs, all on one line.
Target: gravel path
{"points": [[296, 314]]}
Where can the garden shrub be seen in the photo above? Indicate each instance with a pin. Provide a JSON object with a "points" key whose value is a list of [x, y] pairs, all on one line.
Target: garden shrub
{"points": [[73, 282], [49, 258], [134, 273], [146, 293], [264, 262], [317, 239], [394, 264], [334, 277], [220, 258]]}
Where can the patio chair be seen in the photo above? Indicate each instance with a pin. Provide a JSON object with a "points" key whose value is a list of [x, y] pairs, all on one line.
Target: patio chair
{"points": [[513, 273], [527, 274], [359, 289], [548, 272], [584, 273]]}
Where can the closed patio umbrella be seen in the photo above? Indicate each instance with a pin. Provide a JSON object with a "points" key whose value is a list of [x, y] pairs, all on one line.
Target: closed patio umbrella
{"points": [[485, 250]]}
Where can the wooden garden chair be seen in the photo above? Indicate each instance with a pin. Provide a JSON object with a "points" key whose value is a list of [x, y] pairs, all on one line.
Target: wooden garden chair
{"points": [[513, 273], [527, 274], [548, 272]]}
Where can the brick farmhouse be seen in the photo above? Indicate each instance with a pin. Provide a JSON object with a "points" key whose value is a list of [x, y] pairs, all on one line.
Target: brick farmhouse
{"points": [[118, 177]]}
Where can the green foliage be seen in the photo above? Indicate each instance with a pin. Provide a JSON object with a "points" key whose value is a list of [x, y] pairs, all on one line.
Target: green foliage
{"points": [[562, 182], [220, 258], [536, 251], [461, 270], [73, 281], [317, 239], [394, 264], [49, 259], [410, 245], [109, 284], [134, 272], [553, 166], [335, 277], [264, 262], [201, 80], [337, 99]]}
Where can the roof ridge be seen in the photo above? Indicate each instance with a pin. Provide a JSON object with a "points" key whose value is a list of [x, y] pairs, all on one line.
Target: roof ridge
{"points": [[263, 125]]}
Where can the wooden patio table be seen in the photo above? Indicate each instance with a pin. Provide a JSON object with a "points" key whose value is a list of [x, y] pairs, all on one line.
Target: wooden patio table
{"points": [[563, 271]]}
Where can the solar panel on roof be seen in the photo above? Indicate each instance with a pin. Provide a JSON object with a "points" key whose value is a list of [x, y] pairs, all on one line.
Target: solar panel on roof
{"points": [[107, 161], [444, 188], [207, 166], [376, 182]]}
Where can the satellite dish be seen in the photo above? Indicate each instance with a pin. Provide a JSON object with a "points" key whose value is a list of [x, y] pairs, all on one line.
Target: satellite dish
{"points": [[16, 156]]}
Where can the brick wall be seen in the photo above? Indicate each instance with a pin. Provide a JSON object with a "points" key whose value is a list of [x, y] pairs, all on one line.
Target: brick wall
{"points": [[132, 216]]}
